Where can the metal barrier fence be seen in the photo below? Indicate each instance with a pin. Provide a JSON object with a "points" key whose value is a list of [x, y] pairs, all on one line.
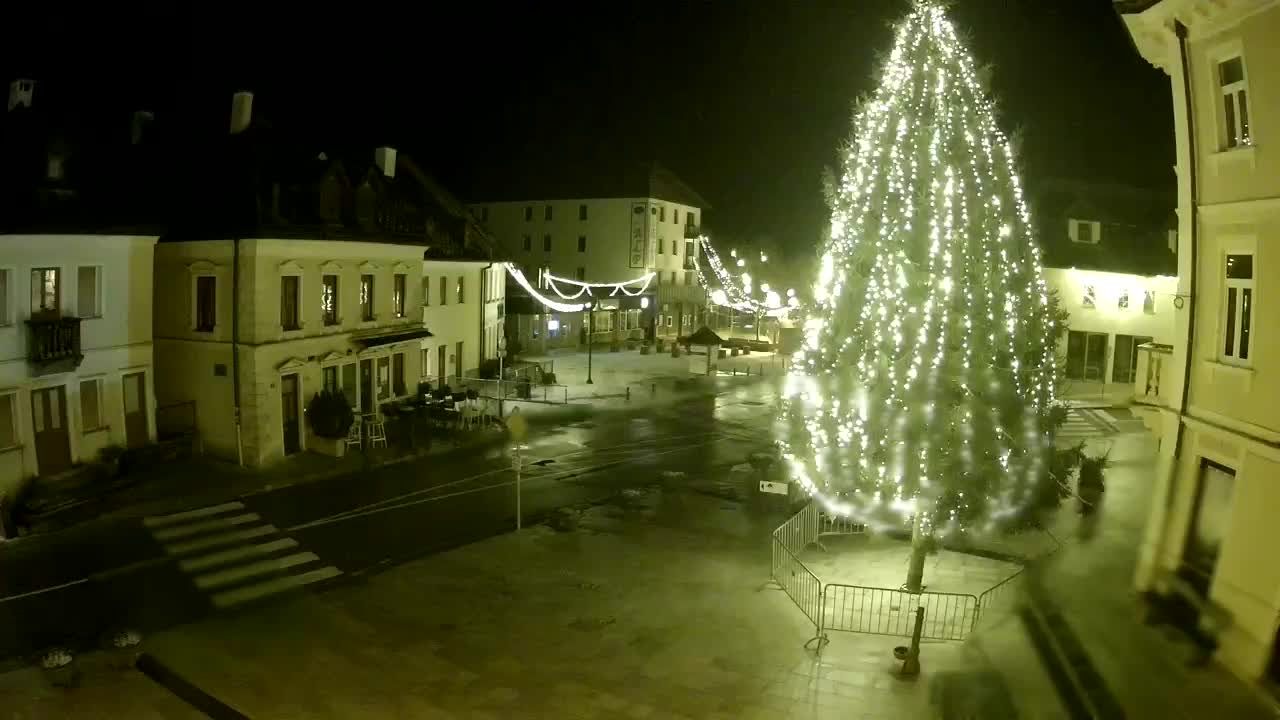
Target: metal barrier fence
{"points": [[508, 389], [799, 583], [1000, 597], [880, 611]]}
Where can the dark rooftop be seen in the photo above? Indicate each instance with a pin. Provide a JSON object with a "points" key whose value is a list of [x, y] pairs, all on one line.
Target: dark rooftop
{"points": [[574, 180], [1135, 227]]}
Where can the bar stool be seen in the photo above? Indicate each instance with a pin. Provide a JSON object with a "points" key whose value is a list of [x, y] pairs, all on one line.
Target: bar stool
{"points": [[353, 435], [377, 430]]}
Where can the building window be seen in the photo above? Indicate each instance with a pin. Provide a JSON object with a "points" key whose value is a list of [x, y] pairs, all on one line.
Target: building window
{"points": [[1124, 368], [691, 219], [1149, 302], [1238, 316], [329, 378], [688, 279], [350, 388], [1084, 231], [45, 290], [1235, 102], [91, 405], [528, 213], [675, 248], [484, 214], [1209, 523], [527, 241], [426, 290], [675, 216], [424, 368], [546, 212], [582, 212], [397, 375], [289, 302], [89, 291], [661, 246], [461, 297], [546, 243], [383, 378], [444, 290], [581, 274], [582, 243], [8, 420], [662, 213], [329, 299], [4, 297], [1090, 295], [398, 282], [366, 298], [1122, 303], [673, 277], [206, 302]]}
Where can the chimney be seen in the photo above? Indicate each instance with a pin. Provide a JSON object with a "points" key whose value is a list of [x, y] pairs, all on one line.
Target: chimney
{"points": [[241, 112], [386, 159], [141, 119], [20, 91]]}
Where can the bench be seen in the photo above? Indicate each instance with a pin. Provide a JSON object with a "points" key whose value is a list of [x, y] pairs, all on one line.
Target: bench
{"points": [[1178, 603]]}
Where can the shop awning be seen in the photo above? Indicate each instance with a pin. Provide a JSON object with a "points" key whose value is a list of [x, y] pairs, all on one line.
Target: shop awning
{"points": [[394, 336]]}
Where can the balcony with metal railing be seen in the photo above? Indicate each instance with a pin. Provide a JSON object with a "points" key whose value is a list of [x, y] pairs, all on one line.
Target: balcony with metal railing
{"points": [[53, 343], [1149, 387], [692, 232]]}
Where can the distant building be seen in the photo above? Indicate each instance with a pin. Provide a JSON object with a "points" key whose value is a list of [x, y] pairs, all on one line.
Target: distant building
{"points": [[600, 225], [336, 256], [76, 370], [1109, 253], [1212, 529]]}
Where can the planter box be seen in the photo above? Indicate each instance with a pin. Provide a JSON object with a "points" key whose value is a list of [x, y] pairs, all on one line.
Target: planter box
{"points": [[644, 349], [333, 447], [675, 351]]}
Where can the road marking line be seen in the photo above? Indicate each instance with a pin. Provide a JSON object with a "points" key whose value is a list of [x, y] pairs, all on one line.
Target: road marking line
{"points": [[219, 578], [229, 598], [41, 591], [243, 552], [205, 543], [173, 533], [161, 520]]}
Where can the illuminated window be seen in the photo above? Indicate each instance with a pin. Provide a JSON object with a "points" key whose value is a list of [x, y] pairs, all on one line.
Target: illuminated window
{"points": [[397, 294], [1149, 302], [1237, 319], [366, 298], [461, 290], [329, 299], [1090, 295], [1235, 102], [45, 295], [1123, 302]]}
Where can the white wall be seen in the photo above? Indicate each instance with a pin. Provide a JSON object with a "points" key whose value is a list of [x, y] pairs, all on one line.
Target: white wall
{"points": [[451, 322], [115, 342], [1106, 315]]}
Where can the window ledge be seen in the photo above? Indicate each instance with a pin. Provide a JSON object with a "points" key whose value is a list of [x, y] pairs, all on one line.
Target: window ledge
{"points": [[1241, 154], [10, 448], [98, 429], [1219, 366]]}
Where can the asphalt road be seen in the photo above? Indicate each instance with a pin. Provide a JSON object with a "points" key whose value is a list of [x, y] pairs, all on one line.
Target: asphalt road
{"points": [[70, 587]]}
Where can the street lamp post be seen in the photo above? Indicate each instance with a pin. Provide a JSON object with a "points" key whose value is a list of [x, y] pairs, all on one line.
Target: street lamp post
{"points": [[591, 331], [502, 354]]}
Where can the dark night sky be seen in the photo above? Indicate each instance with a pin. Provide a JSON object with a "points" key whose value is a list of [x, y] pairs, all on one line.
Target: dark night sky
{"points": [[747, 101]]}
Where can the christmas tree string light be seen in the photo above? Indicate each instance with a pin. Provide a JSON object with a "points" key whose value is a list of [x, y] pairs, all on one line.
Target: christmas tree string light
{"points": [[925, 384]]}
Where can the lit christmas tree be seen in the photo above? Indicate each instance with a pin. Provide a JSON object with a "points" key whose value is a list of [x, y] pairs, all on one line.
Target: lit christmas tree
{"points": [[924, 395]]}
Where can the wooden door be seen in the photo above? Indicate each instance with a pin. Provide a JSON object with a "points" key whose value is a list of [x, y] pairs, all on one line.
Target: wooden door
{"points": [[442, 364], [366, 386], [49, 423], [135, 410], [289, 414]]}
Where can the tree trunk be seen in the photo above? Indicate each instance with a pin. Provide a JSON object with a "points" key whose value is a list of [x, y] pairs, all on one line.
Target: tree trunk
{"points": [[915, 571]]}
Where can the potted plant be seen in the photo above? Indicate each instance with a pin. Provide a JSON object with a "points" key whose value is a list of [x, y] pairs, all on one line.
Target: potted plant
{"points": [[644, 349], [660, 345], [330, 417], [1091, 485], [59, 667]]}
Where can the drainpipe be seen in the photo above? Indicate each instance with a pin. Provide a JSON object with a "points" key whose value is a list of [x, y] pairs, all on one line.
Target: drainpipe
{"points": [[235, 340], [1180, 31]]}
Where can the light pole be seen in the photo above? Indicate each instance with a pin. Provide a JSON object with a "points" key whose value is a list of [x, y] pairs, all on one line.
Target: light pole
{"points": [[591, 331], [502, 354]]}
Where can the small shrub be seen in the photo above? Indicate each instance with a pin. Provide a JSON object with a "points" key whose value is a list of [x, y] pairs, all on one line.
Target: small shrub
{"points": [[330, 415]]}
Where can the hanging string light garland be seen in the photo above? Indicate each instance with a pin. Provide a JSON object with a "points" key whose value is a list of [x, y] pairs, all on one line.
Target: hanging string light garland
{"points": [[629, 288], [518, 275], [736, 293]]}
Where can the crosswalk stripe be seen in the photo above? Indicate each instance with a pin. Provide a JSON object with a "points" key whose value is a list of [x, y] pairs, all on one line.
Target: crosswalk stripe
{"points": [[241, 552], [207, 543], [232, 575], [257, 591], [161, 520], [181, 531]]}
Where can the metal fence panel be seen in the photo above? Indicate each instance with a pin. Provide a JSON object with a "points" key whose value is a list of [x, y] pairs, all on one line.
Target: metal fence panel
{"points": [[998, 600], [798, 532], [880, 611], [802, 586]]}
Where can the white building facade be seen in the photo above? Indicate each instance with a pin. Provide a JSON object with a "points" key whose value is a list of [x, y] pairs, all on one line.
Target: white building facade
{"points": [[313, 314], [76, 369], [605, 239], [1212, 526], [462, 308]]}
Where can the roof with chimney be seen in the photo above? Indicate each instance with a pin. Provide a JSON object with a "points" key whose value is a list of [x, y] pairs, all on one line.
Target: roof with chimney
{"points": [[71, 164], [1135, 227], [589, 179]]}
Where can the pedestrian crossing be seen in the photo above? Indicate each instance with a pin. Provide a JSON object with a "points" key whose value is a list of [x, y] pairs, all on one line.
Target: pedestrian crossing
{"points": [[233, 556], [1086, 424]]}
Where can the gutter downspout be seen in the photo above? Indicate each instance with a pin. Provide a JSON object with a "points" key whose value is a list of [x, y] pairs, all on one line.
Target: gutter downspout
{"points": [[235, 340], [1180, 31]]}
